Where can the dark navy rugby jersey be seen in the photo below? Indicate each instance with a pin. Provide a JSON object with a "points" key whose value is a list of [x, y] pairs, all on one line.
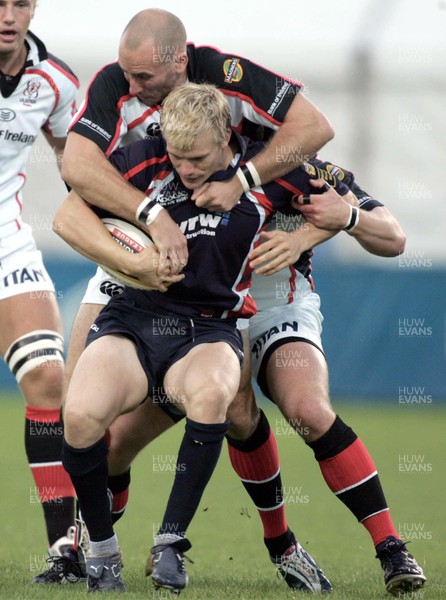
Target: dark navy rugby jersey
{"points": [[217, 275], [258, 99]]}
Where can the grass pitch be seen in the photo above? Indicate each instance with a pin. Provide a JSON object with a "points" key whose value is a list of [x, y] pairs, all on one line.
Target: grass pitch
{"points": [[230, 561]]}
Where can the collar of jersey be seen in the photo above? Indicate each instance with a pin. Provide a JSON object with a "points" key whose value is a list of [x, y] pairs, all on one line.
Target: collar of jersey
{"points": [[37, 50]]}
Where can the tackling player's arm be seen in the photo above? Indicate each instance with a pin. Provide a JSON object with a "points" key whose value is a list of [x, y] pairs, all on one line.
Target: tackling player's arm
{"points": [[379, 232], [86, 170], [77, 224], [281, 249], [302, 134], [375, 228]]}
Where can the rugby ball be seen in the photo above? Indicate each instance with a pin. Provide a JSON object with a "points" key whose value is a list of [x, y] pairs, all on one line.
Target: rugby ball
{"points": [[130, 238]]}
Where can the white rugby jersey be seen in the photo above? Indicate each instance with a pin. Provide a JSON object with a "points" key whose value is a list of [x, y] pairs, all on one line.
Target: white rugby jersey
{"points": [[42, 97]]}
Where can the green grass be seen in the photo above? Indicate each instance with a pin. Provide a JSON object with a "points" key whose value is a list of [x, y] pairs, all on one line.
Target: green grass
{"points": [[230, 562]]}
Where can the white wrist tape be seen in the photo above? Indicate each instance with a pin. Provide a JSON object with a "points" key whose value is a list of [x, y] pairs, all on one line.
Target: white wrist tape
{"points": [[353, 219], [243, 180], [251, 174], [147, 211]]}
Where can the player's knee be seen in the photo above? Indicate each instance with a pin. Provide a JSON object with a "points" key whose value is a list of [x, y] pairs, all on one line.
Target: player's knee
{"points": [[310, 419], [36, 361], [217, 388], [243, 415], [81, 428], [210, 401], [43, 386], [37, 351]]}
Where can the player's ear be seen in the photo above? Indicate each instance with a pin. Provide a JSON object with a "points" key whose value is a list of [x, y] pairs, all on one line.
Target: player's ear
{"points": [[181, 60]]}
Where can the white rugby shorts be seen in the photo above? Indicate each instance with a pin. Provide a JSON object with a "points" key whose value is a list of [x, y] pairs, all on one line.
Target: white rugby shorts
{"points": [[21, 265], [299, 320], [101, 288]]}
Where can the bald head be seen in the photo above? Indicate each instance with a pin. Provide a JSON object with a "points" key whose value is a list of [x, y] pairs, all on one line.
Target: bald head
{"points": [[162, 28], [153, 54]]}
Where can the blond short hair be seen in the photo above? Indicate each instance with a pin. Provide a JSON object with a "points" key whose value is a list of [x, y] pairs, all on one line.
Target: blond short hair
{"points": [[190, 111]]}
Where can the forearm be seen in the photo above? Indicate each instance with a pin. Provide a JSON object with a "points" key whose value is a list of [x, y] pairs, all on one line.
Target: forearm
{"points": [[311, 236], [82, 229], [280, 249], [379, 232], [302, 134], [88, 172]]}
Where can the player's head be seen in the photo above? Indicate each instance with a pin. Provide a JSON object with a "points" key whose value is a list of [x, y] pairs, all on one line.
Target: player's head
{"points": [[15, 18], [196, 124], [152, 54]]}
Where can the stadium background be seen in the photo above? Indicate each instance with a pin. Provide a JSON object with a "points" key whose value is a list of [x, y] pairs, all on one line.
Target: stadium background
{"points": [[376, 69]]}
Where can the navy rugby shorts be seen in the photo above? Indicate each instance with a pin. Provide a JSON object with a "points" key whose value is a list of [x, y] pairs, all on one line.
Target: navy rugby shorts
{"points": [[161, 338]]}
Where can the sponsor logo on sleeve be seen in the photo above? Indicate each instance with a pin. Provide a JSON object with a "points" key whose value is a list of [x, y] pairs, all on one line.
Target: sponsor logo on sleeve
{"points": [[233, 70], [95, 127], [281, 94], [336, 171]]}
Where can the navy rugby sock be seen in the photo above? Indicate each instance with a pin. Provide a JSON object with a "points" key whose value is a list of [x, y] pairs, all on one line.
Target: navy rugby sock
{"points": [[197, 458], [88, 470]]}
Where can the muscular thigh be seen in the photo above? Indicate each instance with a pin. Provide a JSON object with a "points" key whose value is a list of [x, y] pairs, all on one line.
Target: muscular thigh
{"points": [[297, 379], [108, 380], [204, 382], [31, 342]]}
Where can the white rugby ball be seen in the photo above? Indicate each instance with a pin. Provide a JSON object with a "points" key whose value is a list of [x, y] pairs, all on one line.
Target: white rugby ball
{"points": [[132, 239]]}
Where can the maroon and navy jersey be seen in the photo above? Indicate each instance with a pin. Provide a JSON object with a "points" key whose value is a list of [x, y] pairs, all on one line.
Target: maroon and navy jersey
{"points": [[217, 275], [111, 117]]}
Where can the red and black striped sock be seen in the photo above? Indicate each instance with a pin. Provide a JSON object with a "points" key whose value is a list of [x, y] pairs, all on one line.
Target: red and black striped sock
{"points": [[256, 462], [119, 487], [351, 474], [43, 443]]}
